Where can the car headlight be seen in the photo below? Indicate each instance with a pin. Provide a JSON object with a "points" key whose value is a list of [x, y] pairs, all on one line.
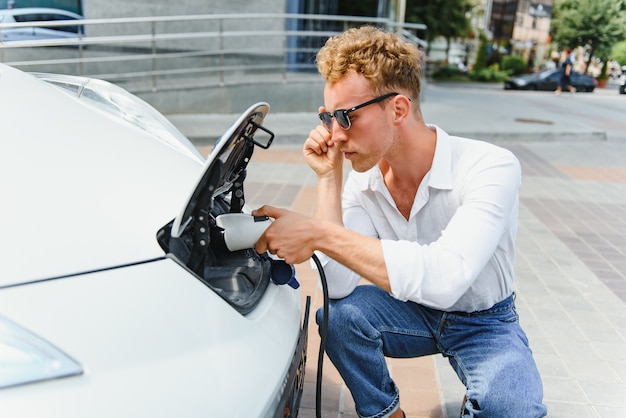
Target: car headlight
{"points": [[121, 104], [27, 358]]}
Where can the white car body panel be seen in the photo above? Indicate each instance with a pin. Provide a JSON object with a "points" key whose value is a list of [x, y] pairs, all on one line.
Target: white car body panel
{"points": [[154, 342], [82, 269], [130, 163]]}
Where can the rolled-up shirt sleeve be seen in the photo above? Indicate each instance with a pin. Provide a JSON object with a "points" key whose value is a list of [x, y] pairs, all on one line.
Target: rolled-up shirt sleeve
{"points": [[340, 279]]}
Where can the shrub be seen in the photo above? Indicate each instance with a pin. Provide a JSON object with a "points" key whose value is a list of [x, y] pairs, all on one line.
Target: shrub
{"points": [[481, 54], [490, 74], [449, 72], [514, 64]]}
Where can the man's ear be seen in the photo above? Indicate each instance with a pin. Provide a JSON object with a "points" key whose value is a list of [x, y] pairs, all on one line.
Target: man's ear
{"points": [[402, 107]]}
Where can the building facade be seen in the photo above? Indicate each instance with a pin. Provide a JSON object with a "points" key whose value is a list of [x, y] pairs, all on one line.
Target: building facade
{"points": [[521, 27]]}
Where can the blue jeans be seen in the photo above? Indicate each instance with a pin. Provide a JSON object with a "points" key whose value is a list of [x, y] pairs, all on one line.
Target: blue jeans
{"points": [[487, 349]]}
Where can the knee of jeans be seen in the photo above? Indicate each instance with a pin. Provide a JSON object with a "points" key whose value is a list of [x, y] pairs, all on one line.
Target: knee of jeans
{"points": [[344, 318], [336, 315], [499, 402]]}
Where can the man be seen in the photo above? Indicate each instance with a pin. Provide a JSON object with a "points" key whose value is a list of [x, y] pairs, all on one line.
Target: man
{"points": [[566, 70], [429, 219]]}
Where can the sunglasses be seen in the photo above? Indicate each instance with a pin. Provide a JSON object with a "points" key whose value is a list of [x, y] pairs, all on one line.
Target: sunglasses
{"points": [[342, 115]]}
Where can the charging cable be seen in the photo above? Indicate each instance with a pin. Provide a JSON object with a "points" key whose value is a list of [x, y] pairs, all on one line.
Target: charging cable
{"points": [[323, 334]]}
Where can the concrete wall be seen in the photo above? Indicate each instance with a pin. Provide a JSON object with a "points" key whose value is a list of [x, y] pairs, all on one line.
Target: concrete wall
{"points": [[201, 93], [136, 8], [303, 95]]}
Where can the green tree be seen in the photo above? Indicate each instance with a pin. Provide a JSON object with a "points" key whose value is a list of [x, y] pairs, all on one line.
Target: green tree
{"points": [[481, 54], [597, 23], [446, 18], [619, 52]]}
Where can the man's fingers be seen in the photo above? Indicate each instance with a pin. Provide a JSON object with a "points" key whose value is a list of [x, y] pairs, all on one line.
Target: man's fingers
{"points": [[318, 140], [261, 245], [267, 210], [316, 147]]}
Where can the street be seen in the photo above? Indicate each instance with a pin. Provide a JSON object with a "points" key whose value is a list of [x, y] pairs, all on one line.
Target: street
{"points": [[479, 110], [476, 110]]}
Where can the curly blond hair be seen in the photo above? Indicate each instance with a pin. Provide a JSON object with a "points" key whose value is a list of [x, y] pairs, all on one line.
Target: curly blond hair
{"points": [[383, 58]]}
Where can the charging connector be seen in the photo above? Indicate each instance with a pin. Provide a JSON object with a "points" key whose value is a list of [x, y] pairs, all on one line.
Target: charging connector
{"points": [[241, 230]]}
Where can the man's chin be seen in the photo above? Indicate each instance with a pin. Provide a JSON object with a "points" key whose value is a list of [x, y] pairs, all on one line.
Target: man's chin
{"points": [[360, 167]]}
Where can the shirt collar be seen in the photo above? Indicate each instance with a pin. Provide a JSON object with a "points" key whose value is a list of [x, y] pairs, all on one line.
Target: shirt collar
{"points": [[441, 170], [439, 175]]}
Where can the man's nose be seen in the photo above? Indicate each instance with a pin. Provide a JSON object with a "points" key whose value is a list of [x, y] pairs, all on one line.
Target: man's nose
{"points": [[338, 133]]}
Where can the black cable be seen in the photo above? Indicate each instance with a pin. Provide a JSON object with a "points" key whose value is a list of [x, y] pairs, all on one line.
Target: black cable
{"points": [[323, 333]]}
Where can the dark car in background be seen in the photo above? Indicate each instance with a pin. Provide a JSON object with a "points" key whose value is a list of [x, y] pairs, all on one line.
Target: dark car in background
{"points": [[548, 80]]}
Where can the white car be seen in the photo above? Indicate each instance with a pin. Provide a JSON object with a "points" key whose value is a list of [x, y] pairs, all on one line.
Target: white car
{"points": [[38, 16], [118, 295]]}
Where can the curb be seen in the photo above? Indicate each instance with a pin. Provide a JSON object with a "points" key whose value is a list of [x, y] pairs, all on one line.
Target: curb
{"points": [[494, 137]]}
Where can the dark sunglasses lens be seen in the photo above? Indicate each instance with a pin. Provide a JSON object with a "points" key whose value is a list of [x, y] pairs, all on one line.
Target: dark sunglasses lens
{"points": [[327, 120], [343, 118]]}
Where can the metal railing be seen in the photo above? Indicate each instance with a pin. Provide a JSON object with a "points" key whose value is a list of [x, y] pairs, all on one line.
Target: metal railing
{"points": [[179, 52]]}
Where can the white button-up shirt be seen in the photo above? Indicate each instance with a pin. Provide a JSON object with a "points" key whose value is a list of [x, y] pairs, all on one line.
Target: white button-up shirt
{"points": [[456, 251]]}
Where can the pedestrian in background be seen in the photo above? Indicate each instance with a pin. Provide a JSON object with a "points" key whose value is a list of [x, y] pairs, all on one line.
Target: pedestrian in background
{"points": [[567, 67], [428, 219]]}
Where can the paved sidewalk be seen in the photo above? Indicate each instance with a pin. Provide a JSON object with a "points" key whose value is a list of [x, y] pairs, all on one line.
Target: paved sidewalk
{"points": [[571, 273]]}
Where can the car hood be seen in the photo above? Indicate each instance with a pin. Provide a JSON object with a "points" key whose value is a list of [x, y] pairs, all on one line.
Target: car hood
{"points": [[83, 189]]}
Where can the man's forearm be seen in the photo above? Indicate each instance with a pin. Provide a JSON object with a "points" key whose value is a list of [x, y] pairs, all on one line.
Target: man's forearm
{"points": [[329, 197], [361, 254]]}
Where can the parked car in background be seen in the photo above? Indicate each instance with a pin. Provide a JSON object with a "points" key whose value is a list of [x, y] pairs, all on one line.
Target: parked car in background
{"points": [[118, 295], [548, 80], [39, 15]]}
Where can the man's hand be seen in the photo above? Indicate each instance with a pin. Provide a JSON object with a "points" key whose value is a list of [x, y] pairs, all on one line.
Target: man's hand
{"points": [[290, 236], [321, 152], [293, 237]]}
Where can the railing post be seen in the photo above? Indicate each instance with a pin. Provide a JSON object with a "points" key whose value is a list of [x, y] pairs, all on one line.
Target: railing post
{"points": [[221, 39], [154, 56], [81, 69], [285, 48]]}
